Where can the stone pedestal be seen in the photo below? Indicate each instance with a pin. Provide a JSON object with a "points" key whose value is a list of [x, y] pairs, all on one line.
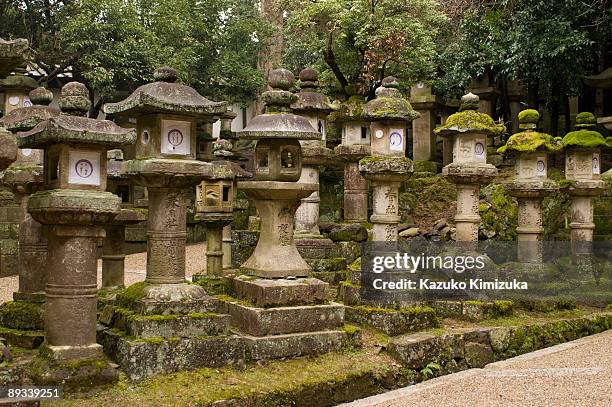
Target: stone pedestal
{"points": [[113, 250], [468, 178], [583, 192], [227, 247], [215, 256], [307, 214], [276, 255], [423, 137], [355, 186], [529, 195]]}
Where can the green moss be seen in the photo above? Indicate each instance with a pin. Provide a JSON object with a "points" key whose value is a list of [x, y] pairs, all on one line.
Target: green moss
{"points": [[215, 285], [349, 284], [471, 120], [530, 141], [586, 118], [132, 294], [584, 138], [23, 316], [499, 215], [393, 108], [351, 109], [351, 330], [529, 116]]}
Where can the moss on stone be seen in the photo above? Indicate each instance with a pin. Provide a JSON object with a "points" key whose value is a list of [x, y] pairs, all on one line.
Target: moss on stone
{"points": [[586, 118], [24, 316], [390, 108], [470, 121], [530, 141], [350, 110], [529, 116], [498, 214], [584, 138], [132, 294]]}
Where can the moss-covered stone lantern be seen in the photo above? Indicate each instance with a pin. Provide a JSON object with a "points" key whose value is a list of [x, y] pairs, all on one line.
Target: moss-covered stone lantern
{"points": [[530, 149], [167, 114], [583, 167], [354, 146], [74, 208], [314, 107], [468, 130], [387, 167], [13, 53]]}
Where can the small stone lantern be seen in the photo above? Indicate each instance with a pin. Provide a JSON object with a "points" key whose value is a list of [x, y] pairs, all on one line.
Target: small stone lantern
{"points": [[167, 114], [314, 107], [531, 185], [13, 53], [583, 166], [74, 209], [278, 165], [16, 90], [387, 167], [468, 130], [214, 206], [355, 145]]}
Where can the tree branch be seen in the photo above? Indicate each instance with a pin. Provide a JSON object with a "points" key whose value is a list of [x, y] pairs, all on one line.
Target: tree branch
{"points": [[330, 59]]}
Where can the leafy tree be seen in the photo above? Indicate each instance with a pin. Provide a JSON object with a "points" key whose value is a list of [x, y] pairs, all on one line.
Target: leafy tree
{"points": [[115, 45], [356, 43]]}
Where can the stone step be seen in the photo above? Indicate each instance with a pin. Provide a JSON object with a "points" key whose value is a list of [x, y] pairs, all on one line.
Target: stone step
{"points": [[294, 345], [285, 320], [165, 326], [142, 358], [280, 292], [22, 339], [153, 307], [393, 321], [315, 248]]}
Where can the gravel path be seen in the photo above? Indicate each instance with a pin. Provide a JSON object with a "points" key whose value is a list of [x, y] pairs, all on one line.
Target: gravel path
{"points": [[572, 374], [135, 269]]}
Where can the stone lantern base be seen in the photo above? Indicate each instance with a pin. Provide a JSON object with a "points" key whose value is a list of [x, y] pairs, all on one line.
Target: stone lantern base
{"points": [[529, 194], [582, 226], [355, 186], [215, 223]]}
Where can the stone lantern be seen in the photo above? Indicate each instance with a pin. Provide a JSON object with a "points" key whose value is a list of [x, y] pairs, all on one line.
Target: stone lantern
{"points": [[387, 167], [74, 208], [583, 166], [24, 177], [314, 107], [16, 89], [424, 140], [355, 145], [298, 324], [468, 130], [167, 114], [13, 53], [214, 206], [113, 250], [531, 185]]}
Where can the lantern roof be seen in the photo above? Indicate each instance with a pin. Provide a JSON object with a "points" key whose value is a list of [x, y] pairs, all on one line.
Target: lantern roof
{"points": [[165, 95], [585, 135], [389, 104], [278, 122], [530, 140], [469, 120], [72, 127], [309, 99], [12, 54], [26, 118]]}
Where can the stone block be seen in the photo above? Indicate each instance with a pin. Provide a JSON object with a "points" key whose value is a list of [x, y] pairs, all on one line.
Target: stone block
{"points": [[285, 320], [315, 248], [22, 339], [391, 321], [154, 307], [294, 345], [280, 292], [327, 265], [174, 326], [348, 232], [142, 358]]}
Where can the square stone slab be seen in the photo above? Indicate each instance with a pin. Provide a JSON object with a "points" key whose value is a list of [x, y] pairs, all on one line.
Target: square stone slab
{"points": [[285, 320], [280, 292]]}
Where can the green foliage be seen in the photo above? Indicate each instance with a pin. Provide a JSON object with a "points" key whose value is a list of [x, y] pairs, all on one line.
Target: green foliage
{"points": [[529, 116], [117, 44], [586, 118], [499, 214], [430, 370], [357, 42]]}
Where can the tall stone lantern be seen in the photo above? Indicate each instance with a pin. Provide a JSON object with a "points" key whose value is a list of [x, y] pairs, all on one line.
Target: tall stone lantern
{"points": [[166, 114], [299, 322], [355, 145], [74, 208], [314, 107], [468, 130], [387, 167], [531, 185], [24, 177], [583, 166]]}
